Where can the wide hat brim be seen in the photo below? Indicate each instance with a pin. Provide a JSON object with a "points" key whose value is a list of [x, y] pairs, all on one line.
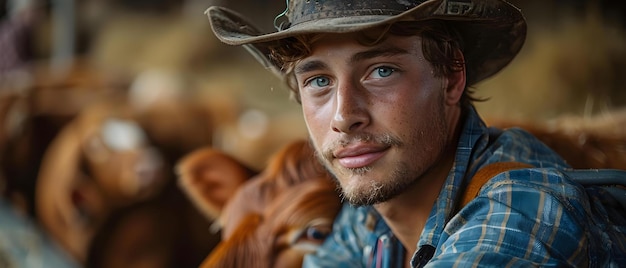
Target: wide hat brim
{"points": [[493, 31]]}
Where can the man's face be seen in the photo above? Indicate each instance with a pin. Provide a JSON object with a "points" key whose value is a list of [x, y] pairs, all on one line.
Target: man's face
{"points": [[375, 114]]}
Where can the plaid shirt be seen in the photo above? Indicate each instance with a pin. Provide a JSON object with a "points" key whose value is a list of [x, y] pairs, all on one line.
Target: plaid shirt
{"points": [[520, 218]]}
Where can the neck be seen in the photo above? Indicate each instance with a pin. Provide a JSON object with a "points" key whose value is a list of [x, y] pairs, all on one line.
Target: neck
{"points": [[407, 213]]}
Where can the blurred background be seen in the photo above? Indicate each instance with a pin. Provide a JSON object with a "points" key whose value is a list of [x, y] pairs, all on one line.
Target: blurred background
{"points": [[76, 75]]}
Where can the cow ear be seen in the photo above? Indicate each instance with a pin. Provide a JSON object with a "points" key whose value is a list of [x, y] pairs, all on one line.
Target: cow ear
{"points": [[209, 177]]}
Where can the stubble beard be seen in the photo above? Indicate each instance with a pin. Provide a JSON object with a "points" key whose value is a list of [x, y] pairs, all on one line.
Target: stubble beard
{"points": [[375, 190], [381, 189]]}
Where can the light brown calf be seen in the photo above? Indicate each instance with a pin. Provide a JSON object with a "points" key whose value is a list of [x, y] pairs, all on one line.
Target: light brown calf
{"points": [[99, 162], [276, 217]]}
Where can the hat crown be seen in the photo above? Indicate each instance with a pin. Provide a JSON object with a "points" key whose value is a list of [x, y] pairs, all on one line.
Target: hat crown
{"points": [[299, 11], [493, 31]]}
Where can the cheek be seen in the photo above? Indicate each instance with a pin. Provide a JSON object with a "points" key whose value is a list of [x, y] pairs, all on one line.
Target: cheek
{"points": [[401, 112], [413, 116], [317, 120]]}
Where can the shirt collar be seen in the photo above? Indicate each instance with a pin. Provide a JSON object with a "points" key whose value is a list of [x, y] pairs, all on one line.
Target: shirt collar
{"points": [[474, 138]]}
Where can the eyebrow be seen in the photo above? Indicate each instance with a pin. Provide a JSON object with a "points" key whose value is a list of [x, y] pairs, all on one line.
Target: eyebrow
{"points": [[310, 66], [368, 54]]}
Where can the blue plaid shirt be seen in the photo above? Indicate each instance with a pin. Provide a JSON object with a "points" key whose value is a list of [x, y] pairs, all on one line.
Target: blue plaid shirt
{"points": [[520, 218]]}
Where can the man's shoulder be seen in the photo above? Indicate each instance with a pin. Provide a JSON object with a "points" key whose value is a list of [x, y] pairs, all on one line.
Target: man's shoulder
{"points": [[550, 180], [516, 144], [519, 137]]}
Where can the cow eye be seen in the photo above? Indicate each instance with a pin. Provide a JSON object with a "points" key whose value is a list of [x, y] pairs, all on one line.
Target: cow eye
{"points": [[317, 232], [311, 236]]}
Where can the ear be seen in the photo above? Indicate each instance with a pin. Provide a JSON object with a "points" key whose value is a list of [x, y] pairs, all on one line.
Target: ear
{"points": [[455, 85], [209, 178]]}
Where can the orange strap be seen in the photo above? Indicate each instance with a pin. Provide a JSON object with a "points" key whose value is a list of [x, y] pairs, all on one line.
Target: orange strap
{"points": [[486, 173]]}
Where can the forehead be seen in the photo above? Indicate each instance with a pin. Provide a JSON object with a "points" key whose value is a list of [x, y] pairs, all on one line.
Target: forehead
{"points": [[357, 47]]}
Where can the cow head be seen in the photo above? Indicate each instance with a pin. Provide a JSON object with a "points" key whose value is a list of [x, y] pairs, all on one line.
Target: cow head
{"points": [[99, 162], [276, 217]]}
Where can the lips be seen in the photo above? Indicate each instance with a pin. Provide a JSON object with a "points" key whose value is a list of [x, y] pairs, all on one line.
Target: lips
{"points": [[361, 155]]}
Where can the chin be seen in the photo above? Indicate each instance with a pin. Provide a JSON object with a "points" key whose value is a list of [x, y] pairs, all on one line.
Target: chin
{"points": [[375, 186], [363, 190]]}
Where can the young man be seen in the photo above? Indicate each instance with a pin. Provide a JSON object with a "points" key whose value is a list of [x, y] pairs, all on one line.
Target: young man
{"points": [[385, 91]]}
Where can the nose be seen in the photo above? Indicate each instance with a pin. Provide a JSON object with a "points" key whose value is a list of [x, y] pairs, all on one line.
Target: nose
{"points": [[351, 112]]}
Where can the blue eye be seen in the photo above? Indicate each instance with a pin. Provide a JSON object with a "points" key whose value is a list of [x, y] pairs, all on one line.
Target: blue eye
{"points": [[383, 71], [320, 81]]}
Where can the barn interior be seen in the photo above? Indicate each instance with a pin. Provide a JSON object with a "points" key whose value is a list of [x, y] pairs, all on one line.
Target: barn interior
{"points": [[100, 99]]}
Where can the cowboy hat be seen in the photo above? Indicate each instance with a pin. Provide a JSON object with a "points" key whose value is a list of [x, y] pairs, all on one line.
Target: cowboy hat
{"points": [[493, 30]]}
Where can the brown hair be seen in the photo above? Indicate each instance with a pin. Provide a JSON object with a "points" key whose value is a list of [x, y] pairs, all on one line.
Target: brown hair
{"points": [[440, 43]]}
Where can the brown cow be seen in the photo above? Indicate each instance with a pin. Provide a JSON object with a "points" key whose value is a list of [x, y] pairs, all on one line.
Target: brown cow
{"points": [[106, 192], [100, 161], [161, 232], [584, 142], [276, 217]]}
